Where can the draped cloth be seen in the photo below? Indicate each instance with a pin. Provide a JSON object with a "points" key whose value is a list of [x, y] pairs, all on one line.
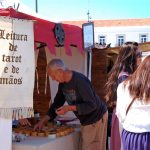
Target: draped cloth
{"points": [[17, 68]]}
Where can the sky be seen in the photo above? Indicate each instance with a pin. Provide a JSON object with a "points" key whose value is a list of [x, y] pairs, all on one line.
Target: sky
{"points": [[64, 10]]}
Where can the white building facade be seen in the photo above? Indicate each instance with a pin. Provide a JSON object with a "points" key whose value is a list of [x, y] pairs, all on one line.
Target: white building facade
{"points": [[118, 35], [119, 31]]}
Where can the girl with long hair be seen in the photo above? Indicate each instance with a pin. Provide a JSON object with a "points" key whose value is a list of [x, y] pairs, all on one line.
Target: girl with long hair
{"points": [[125, 64], [133, 108]]}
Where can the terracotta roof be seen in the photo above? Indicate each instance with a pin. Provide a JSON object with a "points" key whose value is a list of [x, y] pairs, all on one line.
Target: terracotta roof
{"points": [[111, 23]]}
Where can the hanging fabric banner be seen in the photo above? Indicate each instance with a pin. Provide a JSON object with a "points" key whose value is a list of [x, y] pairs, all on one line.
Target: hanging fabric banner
{"points": [[17, 68]]}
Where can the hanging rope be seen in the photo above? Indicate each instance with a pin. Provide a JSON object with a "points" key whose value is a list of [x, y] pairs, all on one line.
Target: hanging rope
{"points": [[45, 83], [37, 81]]}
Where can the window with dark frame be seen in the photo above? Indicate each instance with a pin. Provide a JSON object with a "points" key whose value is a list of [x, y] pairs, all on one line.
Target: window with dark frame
{"points": [[120, 40], [102, 40], [143, 38]]}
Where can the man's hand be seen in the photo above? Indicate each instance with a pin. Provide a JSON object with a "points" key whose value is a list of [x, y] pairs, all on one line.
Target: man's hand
{"points": [[64, 109], [24, 122], [41, 123]]}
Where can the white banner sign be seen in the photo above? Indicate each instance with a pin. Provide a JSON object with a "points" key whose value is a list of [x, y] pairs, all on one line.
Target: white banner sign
{"points": [[17, 67]]}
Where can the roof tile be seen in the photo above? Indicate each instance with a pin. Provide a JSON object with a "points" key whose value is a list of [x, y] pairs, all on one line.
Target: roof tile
{"points": [[111, 23]]}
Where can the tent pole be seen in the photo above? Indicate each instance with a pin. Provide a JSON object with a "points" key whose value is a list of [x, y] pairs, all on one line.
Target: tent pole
{"points": [[36, 6]]}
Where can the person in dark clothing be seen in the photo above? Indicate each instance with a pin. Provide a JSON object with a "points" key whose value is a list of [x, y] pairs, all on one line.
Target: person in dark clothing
{"points": [[76, 89]]}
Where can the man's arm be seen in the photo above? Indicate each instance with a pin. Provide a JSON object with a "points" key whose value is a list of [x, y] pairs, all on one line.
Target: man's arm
{"points": [[64, 109], [51, 114]]}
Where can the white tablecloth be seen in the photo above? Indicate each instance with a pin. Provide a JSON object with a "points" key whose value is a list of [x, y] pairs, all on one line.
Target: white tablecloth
{"points": [[69, 142], [5, 134]]}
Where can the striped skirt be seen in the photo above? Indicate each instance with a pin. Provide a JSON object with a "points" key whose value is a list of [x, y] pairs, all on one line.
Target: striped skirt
{"points": [[135, 141]]}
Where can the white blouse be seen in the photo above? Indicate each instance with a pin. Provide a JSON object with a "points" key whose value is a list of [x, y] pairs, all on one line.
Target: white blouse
{"points": [[137, 119]]}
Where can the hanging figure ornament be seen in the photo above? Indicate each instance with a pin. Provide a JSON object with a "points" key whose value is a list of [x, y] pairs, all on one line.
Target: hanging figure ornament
{"points": [[59, 34]]}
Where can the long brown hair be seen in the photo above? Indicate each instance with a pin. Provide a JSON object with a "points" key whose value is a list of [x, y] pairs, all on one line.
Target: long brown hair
{"points": [[127, 62], [139, 82]]}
